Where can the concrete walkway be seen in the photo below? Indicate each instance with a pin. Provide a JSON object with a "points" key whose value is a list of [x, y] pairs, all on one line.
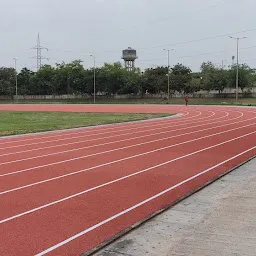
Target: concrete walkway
{"points": [[218, 220]]}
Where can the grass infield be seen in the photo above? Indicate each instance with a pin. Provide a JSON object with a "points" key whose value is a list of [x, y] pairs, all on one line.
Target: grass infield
{"points": [[13, 123]]}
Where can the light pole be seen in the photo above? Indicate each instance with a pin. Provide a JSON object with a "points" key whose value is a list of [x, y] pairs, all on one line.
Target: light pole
{"points": [[168, 74], [94, 78], [16, 77], [222, 63], [237, 63]]}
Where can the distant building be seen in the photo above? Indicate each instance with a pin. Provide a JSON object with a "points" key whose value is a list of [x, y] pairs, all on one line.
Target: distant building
{"points": [[129, 57]]}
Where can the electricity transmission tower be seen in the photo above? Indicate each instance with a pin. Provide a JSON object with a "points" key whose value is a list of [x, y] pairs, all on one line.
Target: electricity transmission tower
{"points": [[39, 48]]}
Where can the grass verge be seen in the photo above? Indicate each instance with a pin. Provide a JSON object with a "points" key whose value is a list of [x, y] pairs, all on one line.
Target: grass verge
{"points": [[13, 123]]}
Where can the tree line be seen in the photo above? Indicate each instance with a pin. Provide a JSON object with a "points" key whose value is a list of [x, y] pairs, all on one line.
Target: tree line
{"points": [[113, 78]]}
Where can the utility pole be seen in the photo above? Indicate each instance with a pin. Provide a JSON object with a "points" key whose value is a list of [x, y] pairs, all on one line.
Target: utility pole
{"points": [[237, 64], [222, 63], [94, 78], [233, 60], [168, 74], [16, 76], [39, 50]]}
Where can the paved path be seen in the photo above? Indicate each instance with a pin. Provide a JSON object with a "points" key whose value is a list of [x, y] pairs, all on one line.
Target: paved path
{"points": [[218, 220]]}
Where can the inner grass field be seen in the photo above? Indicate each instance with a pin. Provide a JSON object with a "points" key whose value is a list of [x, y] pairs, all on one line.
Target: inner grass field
{"points": [[12, 123]]}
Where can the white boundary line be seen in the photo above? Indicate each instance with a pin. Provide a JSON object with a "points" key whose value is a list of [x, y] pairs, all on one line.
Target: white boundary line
{"points": [[85, 129], [86, 135], [120, 148], [112, 162], [108, 130], [114, 136], [118, 141], [137, 205], [123, 178], [96, 139], [181, 113], [91, 127]]}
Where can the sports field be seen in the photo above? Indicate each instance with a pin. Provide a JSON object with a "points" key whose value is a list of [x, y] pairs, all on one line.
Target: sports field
{"points": [[16, 122], [68, 192]]}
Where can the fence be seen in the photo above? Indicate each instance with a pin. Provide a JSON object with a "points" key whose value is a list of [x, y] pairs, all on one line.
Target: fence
{"points": [[227, 93]]}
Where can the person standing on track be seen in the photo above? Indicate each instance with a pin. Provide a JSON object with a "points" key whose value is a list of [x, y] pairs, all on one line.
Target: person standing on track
{"points": [[186, 100]]}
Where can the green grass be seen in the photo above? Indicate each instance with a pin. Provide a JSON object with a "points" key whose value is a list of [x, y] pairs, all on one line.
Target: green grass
{"points": [[193, 101], [27, 122]]}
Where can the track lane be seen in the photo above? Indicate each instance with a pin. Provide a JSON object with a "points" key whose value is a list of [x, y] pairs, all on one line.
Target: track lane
{"points": [[94, 142], [104, 205], [92, 135], [100, 128], [94, 108], [180, 117], [157, 176], [13, 164], [126, 132], [133, 151], [97, 233], [62, 187]]}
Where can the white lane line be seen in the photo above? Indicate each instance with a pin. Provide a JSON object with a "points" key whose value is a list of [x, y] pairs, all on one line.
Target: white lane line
{"points": [[163, 121], [101, 138], [109, 163], [83, 129], [117, 141], [138, 205], [120, 179], [89, 135], [66, 132], [113, 150]]}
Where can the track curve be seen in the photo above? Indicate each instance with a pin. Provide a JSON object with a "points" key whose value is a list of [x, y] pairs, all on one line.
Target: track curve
{"points": [[66, 192]]}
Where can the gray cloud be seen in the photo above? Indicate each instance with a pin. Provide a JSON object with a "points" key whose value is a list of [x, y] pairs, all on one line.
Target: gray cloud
{"points": [[73, 29]]}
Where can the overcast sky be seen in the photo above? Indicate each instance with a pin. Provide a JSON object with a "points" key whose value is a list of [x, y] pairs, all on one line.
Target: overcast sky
{"points": [[73, 29]]}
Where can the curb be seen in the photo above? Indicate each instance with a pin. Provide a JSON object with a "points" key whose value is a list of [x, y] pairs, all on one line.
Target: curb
{"points": [[91, 127]]}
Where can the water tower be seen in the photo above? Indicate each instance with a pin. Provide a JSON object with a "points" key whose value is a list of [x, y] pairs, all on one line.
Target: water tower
{"points": [[129, 57]]}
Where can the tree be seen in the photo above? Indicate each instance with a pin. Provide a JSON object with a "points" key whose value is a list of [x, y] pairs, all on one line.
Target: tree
{"points": [[244, 78], [220, 80], [180, 78], [154, 80], [253, 78], [42, 82], [207, 69], [24, 81], [88, 81], [196, 83], [7, 81], [131, 82], [213, 77], [217, 80], [69, 78], [111, 78]]}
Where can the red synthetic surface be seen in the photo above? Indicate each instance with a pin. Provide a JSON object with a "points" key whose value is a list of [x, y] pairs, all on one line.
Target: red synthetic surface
{"points": [[56, 187]]}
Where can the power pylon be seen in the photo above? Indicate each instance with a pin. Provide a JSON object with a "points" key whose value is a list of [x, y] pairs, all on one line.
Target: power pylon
{"points": [[39, 48]]}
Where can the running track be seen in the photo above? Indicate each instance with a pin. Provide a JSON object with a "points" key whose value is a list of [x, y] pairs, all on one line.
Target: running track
{"points": [[66, 192]]}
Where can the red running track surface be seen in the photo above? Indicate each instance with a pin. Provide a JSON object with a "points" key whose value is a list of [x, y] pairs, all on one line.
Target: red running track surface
{"points": [[66, 192]]}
